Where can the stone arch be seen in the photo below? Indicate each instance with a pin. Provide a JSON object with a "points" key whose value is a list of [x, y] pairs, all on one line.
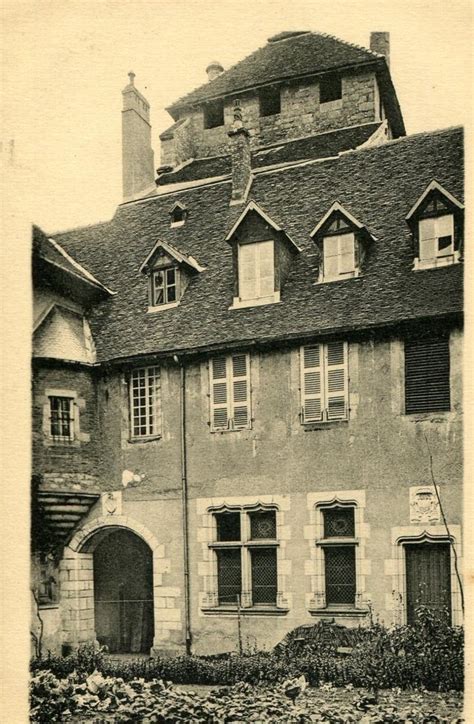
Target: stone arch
{"points": [[77, 582], [81, 538]]}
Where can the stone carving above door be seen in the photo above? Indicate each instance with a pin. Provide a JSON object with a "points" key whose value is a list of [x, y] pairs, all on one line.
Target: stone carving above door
{"points": [[424, 506]]}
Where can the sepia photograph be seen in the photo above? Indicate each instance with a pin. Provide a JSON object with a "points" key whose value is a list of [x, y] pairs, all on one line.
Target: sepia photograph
{"points": [[244, 291]]}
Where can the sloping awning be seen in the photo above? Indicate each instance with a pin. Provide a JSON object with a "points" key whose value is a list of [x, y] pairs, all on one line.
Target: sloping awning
{"points": [[63, 511]]}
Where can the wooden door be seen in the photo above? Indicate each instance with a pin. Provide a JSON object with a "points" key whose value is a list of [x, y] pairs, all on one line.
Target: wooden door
{"points": [[428, 574]]}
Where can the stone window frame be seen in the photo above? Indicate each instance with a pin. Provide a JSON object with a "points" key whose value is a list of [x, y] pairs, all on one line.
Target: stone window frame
{"points": [[206, 508], [77, 404], [314, 564], [395, 567]]}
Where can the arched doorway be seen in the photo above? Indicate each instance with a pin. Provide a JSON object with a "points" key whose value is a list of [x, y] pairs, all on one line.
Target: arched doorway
{"points": [[123, 591]]}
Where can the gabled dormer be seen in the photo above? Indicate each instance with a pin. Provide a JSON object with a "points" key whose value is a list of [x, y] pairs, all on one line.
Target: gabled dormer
{"points": [[436, 223], [262, 255], [169, 273], [178, 215], [343, 242]]}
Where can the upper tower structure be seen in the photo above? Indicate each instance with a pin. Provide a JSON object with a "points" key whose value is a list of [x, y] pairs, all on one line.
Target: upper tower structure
{"points": [[137, 154], [299, 84]]}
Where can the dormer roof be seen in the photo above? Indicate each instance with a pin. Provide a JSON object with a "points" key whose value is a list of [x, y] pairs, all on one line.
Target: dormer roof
{"points": [[339, 208], [433, 186], [253, 206], [289, 56], [171, 251]]}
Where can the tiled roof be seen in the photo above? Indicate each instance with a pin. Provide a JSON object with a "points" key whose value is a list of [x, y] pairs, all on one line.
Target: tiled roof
{"points": [[321, 145], [303, 54], [378, 185]]}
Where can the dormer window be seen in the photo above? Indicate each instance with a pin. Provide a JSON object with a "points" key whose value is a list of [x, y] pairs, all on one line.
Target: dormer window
{"points": [[436, 224], [342, 241], [169, 273], [214, 114], [165, 284], [262, 255], [178, 215], [330, 89]]}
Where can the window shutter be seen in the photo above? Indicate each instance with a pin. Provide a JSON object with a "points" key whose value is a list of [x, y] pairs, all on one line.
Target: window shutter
{"points": [[311, 392], [266, 269], [240, 390], [336, 380], [427, 387], [219, 396], [247, 271]]}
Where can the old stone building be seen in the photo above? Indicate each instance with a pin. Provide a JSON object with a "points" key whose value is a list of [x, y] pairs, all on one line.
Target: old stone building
{"points": [[247, 383]]}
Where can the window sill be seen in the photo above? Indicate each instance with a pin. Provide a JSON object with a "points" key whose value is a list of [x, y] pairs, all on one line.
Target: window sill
{"points": [[426, 416], [48, 606], [340, 278], [176, 224], [161, 307], [253, 611], [144, 439], [238, 303], [335, 611], [323, 425], [437, 262], [230, 429]]}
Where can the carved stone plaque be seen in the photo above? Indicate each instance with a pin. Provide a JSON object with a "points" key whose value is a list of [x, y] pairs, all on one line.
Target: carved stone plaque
{"points": [[424, 507], [112, 503]]}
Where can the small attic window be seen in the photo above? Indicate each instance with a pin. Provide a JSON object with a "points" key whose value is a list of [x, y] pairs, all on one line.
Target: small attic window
{"points": [[269, 101], [342, 243], [164, 286], [436, 223], [330, 88], [178, 215], [214, 114]]}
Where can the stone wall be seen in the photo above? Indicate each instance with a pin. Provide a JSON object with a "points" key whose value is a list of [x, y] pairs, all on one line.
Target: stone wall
{"points": [[301, 115]]}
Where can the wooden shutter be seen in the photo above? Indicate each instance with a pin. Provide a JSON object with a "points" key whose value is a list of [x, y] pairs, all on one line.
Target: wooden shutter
{"points": [[427, 386], [265, 269], [247, 271], [240, 391], [336, 380], [219, 395], [311, 374], [428, 576]]}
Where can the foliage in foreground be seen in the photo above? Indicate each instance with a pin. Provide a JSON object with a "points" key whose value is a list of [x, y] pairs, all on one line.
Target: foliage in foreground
{"points": [[428, 655], [105, 699]]}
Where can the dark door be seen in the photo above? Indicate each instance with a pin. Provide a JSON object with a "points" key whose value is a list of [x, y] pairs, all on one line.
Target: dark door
{"points": [[123, 593], [428, 568]]}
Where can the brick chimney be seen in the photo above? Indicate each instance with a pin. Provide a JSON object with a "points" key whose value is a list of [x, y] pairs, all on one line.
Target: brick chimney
{"points": [[380, 43], [214, 69], [137, 153], [240, 156]]}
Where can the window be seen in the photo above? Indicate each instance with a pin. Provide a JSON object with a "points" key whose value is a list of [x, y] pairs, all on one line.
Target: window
{"points": [[246, 553], [256, 270], [214, 114], [339, 256], [436, 239], [269, 101], [61, 418], [178, 215], [164, 286], [230, 392], [324, 382], [339, 555], [47, 585], [145, 402], [427, 387], [330, 88]]}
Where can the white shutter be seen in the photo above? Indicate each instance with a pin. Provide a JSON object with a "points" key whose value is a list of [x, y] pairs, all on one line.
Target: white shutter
{"points": [[346, 254], [266, 269], [219, 394], [336, 380], [311, 376], [248, 271], [240, 390]]}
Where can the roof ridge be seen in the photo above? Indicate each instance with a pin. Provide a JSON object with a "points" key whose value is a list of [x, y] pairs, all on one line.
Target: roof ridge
{"points": [[347, 42], [92, 225]]}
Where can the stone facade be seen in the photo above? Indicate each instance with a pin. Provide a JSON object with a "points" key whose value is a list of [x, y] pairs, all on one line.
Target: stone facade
{"points": [[301, 114]]}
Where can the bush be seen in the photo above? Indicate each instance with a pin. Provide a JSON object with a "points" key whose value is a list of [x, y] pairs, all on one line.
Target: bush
{"points": [[428, 655]]}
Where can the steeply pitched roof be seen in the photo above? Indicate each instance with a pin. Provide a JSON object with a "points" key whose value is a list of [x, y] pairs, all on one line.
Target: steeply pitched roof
{"points": [[321, 145], [378, 185], [304, 54]]}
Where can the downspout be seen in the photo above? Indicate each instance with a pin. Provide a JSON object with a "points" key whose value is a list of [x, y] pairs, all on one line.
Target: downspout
{"points": [[184, 505]]}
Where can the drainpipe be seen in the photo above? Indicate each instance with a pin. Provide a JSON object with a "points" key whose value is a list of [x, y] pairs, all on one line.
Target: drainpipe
{"points": [[184, 504]]}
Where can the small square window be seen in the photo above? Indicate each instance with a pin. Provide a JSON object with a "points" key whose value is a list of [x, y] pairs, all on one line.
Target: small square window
{"points": [[262, 524], [330, 89], [338, 522], [164, 286], [214, 114], [269, 101]]}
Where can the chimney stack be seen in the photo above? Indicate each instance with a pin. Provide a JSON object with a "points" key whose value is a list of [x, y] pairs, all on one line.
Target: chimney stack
{"points": [[214, 69], [240, 155], [380, 43], [137, 154]]}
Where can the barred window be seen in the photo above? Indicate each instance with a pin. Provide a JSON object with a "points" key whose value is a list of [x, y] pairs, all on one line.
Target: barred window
{"points": [[145, 402], [246, 553], [61, 418], [339, 546]]}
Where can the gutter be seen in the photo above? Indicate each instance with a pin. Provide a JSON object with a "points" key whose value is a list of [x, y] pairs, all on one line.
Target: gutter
{"points": [[184, 506]]}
